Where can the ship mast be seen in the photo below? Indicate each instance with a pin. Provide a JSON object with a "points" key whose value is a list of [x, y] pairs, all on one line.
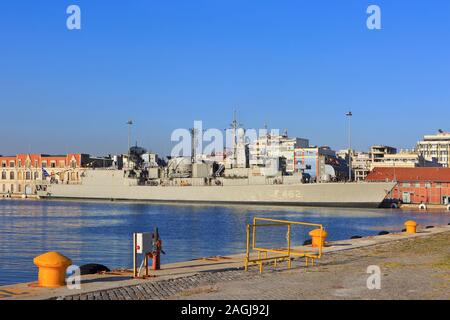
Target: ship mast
{"points": [[129, 123], [235, 125], [194, 144]]}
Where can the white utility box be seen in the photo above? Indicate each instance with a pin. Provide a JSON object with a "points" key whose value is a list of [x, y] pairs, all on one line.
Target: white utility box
{"points": [[143, 242]]}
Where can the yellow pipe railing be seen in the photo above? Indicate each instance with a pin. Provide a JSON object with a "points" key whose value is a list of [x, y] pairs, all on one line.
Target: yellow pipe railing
{"points": [[284, 253]]}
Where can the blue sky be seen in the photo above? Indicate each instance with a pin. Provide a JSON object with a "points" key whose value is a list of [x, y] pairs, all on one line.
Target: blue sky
{"points": [[294, 64]]}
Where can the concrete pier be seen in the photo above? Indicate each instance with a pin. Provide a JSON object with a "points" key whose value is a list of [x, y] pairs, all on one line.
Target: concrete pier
{"points": [[413, 266]]}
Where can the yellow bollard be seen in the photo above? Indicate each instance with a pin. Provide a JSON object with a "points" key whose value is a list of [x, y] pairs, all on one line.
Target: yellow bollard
{"points": [[52, 269], [318, 237], [411, 226]]}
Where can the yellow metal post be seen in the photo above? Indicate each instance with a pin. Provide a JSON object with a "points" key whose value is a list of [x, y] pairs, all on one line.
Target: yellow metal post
{"points": [[247, 255], [323, 234], [289, 244], [254, 233]]}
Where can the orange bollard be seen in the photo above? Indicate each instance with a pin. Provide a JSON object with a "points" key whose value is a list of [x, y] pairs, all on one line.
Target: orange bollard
{"points": [[411, 226], [318, 237], [52, 269]]}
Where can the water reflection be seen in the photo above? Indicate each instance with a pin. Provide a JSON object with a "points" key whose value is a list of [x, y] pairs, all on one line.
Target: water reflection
{"points": [[100, 232]]}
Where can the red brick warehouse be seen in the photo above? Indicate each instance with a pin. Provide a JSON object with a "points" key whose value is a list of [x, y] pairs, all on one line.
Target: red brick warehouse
{"points": [[416, 185]]}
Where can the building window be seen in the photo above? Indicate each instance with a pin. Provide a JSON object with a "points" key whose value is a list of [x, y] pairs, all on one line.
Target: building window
{"points": [[11, 164], [4, 188], [36, 164], [36, 175], [20, 164], [3, 164], [406, 184], [44, 164], [52, 164], [11, 175], [28, 175], [3, 175], [417, 184], [62, 164], [12, 188], [73, 163], [19, 188]]}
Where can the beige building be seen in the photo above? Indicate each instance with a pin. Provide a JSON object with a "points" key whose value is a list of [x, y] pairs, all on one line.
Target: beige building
{"points": [[269, 147], [436, 146], [384, 157], [404, 159], [21, 174], [379, 152], [361, 164]]}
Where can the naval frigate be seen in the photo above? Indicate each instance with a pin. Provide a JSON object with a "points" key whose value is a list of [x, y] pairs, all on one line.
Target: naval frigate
{"points": [[131, 185]]}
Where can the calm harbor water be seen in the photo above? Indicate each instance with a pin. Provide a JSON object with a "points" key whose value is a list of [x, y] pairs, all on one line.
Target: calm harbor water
{"points": [[101, 232]]}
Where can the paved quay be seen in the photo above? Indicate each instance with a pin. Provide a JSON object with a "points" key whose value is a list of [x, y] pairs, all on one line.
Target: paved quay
{"points": [[415, 268], [412, 267]]}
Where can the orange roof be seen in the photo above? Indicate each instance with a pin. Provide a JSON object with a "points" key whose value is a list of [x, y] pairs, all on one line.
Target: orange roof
{"points": [[410, 174]]}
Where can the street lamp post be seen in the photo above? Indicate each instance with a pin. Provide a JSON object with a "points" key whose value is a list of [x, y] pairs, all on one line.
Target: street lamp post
{"points": [[349, 117]]}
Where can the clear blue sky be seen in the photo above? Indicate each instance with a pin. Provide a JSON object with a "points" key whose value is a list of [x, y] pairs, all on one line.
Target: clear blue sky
{"points": [[294, 64]]}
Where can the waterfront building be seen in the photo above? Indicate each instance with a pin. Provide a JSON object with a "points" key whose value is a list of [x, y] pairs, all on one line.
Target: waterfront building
{"points": [[385, 156], [378, 153], [405, 159], [343, 153], [281, 148], [436, 146], [320, 164], [21, 173], [361, 165], [415, 185]]}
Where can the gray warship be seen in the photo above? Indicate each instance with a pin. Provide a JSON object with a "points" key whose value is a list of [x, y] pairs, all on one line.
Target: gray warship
{"points": [[182, 181]]}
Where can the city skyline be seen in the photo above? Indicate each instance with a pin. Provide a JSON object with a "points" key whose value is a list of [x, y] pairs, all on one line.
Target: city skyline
{"points": [[206, 143], [297, 66]]}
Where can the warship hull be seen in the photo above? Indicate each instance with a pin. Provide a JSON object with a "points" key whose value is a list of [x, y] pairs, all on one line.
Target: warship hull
{"points": [[104, 185]]}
